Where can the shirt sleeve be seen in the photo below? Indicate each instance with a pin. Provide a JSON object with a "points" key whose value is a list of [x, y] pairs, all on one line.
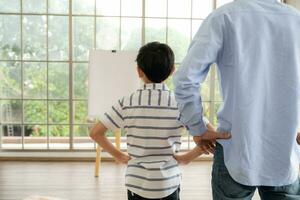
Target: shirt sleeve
{"points": [[204, 50], [113, 119]]}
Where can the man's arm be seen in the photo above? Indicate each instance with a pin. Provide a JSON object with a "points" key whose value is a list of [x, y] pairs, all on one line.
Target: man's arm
{"points": [[98, 135], [298, 138], [205, 49]]}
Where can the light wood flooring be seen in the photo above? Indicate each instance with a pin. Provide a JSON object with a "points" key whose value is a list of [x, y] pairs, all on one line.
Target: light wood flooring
{"points": [[75, 180]]}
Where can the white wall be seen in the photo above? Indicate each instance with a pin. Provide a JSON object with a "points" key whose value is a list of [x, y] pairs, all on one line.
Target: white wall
{"points": [[295, 3]]}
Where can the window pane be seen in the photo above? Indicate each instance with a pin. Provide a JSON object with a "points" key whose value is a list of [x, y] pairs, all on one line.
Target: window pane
{"points": [[34, 6], [80, 80], [80, 112], [35, 137], [222, 2], [82, 139], [11, 136], [10, 84], [131, 32], [9, 6], [11, 111], [155, 30], [195, 26], [58, 6], [218, 95], [156, 8], [179, 8], [58, 75], [108, 29], [59, 137], [83, 37], [179, 37], [35, 112], [217, 108], [205, 90], [201, 9], [108, 8], [34, 37], [35, 80], [59, 112], [83, 6], [58, 38], [10, 42], [131, 8]]}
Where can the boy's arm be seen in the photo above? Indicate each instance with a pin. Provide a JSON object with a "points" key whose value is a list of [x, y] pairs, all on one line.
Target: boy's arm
{"points": [[192, 154], [97, 133]]}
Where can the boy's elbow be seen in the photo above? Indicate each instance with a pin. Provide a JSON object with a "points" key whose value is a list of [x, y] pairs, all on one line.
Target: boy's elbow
{"points": [[93, 133]]}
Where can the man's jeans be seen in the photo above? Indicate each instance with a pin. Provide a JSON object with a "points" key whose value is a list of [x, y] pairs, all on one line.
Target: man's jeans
{"points": [[225, 188]]}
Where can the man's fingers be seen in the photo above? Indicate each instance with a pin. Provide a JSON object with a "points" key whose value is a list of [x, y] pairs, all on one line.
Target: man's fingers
{"points": [[224, 136], [213, 135]]}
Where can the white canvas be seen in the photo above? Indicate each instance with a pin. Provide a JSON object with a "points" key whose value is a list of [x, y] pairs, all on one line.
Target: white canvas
{"points": [[112, 75]]}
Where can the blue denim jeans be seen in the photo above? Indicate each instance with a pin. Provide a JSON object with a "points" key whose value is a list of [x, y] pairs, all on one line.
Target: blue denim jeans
{"points": [[225, 188]]}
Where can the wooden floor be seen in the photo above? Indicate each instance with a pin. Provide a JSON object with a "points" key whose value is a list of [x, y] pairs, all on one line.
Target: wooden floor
{"points": [[75, 181]]}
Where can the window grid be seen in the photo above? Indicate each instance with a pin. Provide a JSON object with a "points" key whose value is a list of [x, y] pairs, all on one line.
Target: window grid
{"points": [[71, 61]]}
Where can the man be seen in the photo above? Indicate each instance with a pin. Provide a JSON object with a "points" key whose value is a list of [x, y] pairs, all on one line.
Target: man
{"points": [[256, 46]]}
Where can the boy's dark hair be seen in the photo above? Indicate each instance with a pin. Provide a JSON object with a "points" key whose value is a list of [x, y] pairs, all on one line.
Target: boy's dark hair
{"points": [[156, 60]]}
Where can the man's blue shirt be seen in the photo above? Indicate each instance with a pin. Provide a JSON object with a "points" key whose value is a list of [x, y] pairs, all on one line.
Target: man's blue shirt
{"points": [[256, 46]]}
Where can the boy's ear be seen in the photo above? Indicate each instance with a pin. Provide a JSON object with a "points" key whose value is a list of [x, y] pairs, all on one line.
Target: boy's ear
{"points": [[173, 70], [140, 72]]}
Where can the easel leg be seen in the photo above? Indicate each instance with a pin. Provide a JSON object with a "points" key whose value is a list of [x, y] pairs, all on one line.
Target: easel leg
{"points": [[98, 161], [118, 139]]}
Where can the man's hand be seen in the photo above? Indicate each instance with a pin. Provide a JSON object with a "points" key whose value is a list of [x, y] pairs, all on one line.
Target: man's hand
{"points": [[298, 138], [207, 141]]}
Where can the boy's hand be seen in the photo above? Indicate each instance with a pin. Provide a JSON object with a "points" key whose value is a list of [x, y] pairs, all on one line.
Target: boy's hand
{"points": [[123, 158], [298, 138]]}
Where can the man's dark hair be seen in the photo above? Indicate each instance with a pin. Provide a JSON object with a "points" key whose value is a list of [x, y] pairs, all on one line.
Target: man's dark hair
{"points": [[156, 60]]}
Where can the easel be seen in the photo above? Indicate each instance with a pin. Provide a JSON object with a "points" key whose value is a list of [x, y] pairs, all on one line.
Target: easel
{"points": [[98, 152]]}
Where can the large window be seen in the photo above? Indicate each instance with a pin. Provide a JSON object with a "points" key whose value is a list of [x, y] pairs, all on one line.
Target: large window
{"points": [[44, 47]]}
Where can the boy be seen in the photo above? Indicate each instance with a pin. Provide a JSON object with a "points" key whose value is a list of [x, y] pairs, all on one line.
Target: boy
{"points": [[150, 117]]}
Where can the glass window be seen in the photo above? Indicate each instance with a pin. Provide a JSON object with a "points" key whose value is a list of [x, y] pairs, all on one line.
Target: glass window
{"points": [[44, 61], [58, 6], [84, 7], [10, 84], [10, 37], [131, 33], [10, 6], [155, 30], [34, 6], [179, 8], [108, 8], [34, 37], [58, 38], [156, 8], [108, 31], [83, 37]]}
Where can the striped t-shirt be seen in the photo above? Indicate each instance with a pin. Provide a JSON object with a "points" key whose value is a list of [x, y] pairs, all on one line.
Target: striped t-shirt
{"points": [[150, 119]]}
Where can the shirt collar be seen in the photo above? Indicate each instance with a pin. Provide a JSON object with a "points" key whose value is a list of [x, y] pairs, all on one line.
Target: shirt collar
{"points": [[154, 86]]}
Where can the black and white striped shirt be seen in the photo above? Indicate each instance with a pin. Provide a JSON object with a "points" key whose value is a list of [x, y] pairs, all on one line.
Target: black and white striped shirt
{"points": [[150, 118]]}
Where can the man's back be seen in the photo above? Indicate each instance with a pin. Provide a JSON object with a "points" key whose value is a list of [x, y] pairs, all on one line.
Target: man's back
{"points": [[260, 70], [257, 48]]}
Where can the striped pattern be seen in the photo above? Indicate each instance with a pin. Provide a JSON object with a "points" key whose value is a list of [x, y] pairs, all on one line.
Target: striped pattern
{"points": [[151, 119]]}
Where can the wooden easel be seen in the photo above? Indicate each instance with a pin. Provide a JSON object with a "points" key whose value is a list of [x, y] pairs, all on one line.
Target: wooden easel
{"points": [[98, 152]]}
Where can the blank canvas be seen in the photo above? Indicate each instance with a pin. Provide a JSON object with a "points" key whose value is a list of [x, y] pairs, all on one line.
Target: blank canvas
{"points": [[112, 75]]}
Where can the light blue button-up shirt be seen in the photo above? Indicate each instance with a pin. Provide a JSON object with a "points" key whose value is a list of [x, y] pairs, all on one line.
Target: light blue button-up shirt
{"points": [[256, 46]]}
